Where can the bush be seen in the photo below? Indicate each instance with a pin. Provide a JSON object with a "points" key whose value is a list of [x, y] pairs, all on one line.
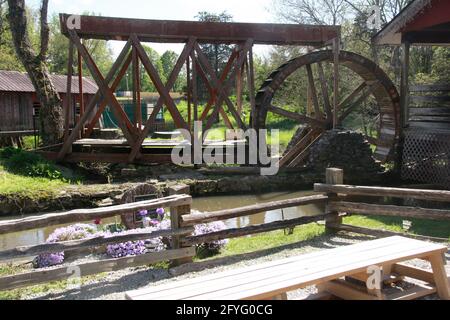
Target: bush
{"points": [[213, 247], [29, 164]]}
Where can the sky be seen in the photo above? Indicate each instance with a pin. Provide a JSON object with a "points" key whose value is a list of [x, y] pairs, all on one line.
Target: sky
{"points": [[241, 10]]}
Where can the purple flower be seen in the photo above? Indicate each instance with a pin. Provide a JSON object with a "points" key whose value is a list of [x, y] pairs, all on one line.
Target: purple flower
{"points": [[160, 212], [73, 232], [143, 213], [213, 246]]}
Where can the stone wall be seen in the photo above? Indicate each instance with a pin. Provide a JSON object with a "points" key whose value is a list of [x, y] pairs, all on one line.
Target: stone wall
{"points": [[347, 150]]}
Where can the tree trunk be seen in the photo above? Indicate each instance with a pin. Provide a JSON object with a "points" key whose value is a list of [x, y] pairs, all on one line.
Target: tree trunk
{"points": [[51, 113]]}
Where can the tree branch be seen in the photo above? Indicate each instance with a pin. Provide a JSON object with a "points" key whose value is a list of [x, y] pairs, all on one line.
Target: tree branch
{"points": [[45, 30]]}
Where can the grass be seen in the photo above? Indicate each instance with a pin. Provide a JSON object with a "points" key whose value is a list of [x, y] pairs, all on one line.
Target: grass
{"points": [[430, 228], [271, 240], [34, 187]]}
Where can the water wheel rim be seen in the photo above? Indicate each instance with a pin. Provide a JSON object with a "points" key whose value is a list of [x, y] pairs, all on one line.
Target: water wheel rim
{"points": [[385, 93]]}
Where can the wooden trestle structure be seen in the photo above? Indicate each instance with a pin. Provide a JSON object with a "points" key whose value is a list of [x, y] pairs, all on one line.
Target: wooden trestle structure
{"points": [[135, 148], [134, 32]]}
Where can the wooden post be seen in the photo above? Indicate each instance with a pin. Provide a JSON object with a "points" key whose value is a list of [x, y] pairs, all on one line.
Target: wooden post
{"points": [[189, 92], [333, 176], [175, 221], [404, 86], [69, 106], [336, 52]]}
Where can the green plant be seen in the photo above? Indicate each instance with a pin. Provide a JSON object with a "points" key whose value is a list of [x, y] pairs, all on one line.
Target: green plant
{"points": [[29, 164]]}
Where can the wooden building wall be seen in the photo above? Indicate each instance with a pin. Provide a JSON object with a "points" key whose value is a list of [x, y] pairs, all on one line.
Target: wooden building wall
{"points": [[16, 111]]}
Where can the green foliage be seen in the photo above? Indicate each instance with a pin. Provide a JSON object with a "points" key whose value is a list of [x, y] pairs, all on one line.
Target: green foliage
{"points": [[29, 164]]}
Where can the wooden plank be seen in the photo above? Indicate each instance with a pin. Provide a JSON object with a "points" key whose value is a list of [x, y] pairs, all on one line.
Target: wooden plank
{"points": [[34, 222], [297, 117], [389, 210], [29, 251], [302, 144], [426, 99], [430, 87], [68, 105], [109, 28], [122, 118], [291, 278], [103, 104], [274, 277], [239, 277], [170, 83], [324, 88], [440, 276], [302, 156], [223, 94], [366, 94], [109, 157], [342, 290], [162, 90], [92, 104], [416, 292], [433, 195], [441, 111], [317, 112], [90, 268], [193, 219], [245, 231], [414, 272]]}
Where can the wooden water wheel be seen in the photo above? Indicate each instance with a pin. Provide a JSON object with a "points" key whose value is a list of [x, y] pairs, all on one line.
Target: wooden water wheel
{"points": [[369, 102]]}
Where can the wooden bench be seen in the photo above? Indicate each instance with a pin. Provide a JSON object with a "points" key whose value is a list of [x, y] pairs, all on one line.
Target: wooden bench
{"points": [[325, 269]]}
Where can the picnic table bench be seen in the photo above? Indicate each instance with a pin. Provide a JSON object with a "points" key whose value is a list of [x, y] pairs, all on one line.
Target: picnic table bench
{"points": [[330, 270]]}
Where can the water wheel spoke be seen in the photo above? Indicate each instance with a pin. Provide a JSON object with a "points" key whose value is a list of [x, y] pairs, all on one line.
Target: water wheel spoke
{"points": [[324, 87], [368, 90], [305, 152], [297, 117], [301, 144], [317, 113]]}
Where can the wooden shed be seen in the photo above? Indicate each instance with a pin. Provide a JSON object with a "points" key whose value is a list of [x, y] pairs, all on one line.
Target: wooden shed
{"points": [[425, 108], [19, 102]]}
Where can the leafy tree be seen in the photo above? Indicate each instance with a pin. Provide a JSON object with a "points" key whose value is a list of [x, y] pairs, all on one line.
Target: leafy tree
{"points": [[217, 54], [59, 47], [168, 61]]}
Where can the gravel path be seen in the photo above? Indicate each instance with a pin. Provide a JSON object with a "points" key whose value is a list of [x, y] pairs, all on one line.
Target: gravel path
{"points": [[114, 285]]}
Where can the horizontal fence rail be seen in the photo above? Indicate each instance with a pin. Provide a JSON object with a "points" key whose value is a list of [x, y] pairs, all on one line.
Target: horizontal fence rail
{"points": [[28, 251], [245, 231], [73, 216], [193, 219], [389, 210], [91, 268], [418, 194]]}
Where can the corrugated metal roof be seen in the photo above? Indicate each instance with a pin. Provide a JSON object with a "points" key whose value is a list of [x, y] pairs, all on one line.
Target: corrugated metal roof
{"points": [[14, 81]]}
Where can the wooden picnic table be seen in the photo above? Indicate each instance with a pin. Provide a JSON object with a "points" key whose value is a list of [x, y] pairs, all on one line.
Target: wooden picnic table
{"points": [[327, 269]]}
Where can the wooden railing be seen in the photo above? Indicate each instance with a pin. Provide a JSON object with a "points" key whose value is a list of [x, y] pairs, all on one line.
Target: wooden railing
{"points": [[334, 195], [177, 203], [340, 204]]}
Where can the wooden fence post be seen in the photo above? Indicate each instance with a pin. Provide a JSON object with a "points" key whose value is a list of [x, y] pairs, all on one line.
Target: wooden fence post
{"points": [[175, 221], [333, 176]]}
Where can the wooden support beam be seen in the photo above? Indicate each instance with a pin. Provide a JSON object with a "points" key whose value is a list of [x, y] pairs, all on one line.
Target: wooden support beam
{"points": [[251, 86], [103, 104], [135, 151], [162, 90], [312, 86], [333, 176], [404, 85], [324, 88], [69, 93], [297, 117], [222, 89], [80, 85], [92, 104], [121, 116]]}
